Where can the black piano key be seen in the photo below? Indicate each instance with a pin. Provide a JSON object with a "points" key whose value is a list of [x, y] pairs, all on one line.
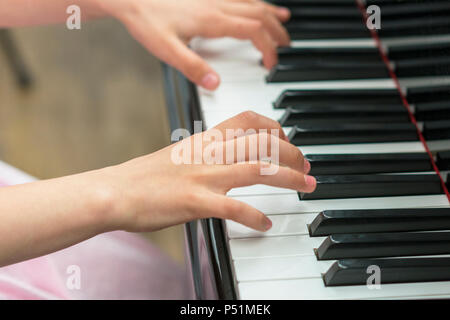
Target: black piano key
{"points": [[373, 185], [343, 113], [380, 245], [447, 182], [314, 134], [419, 51], [438, 110], [428, 94], [418, 26], [289, 55], [328, 70], [436, 130], [429, 66], [302, 29], [414, 9], [331, 222], [358, 97], [443, 160], [331, 164], [344, 13], [397, 270]]}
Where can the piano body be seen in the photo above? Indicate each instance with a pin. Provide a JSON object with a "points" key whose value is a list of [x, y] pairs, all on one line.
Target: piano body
{"points": [[368, 109]]}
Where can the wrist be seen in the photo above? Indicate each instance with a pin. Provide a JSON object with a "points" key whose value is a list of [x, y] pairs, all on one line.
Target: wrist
{"points": [[102, 200], [115, 8]]}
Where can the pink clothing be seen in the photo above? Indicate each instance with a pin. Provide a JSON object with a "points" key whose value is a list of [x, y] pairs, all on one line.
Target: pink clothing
{"points": [[115, 265]]}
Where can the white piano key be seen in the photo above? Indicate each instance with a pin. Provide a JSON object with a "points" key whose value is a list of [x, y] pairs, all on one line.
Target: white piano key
{"points": [[367, 148], [315, 289], [280, 268], [283, 268], [429, 39], [290, 203], [335, 43], [301, 245], [439, 145], [282, 225], [237, 95]]}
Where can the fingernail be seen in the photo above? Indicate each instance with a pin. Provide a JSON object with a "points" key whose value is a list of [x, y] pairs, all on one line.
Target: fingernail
{"points": [[267, 224], [310, 181], [284, 11], [306, 166], [210, 81]]}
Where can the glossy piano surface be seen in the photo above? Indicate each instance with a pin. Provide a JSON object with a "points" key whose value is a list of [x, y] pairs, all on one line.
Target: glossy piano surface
{"points": [[231, 261]]}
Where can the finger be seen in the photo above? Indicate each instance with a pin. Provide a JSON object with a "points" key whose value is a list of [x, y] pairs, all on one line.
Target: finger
{"points": [[282, 13], [247, 174], [249, 122], [244, 28], [232, 209], [264, 146], [262, 13], [174, 52]]}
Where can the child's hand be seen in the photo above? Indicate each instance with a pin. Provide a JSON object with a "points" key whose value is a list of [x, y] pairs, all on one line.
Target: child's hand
{"points": [[152, 192], [165, 27]]}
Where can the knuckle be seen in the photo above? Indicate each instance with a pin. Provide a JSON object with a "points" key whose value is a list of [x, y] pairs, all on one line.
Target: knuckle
{"points": [[231, 209], [248, 116]]}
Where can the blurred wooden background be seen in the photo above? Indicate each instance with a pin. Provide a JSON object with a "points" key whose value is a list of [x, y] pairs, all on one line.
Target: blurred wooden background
{"points": [[97, 100]]}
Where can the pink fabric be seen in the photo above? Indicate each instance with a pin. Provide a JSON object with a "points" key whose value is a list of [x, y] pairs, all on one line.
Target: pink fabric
{"points": [[115, 265]]}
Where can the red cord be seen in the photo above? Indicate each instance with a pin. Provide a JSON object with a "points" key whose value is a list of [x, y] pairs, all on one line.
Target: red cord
{"points": [[404, 100]]}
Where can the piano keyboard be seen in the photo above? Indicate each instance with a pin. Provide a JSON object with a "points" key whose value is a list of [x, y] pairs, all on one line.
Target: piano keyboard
{"points": [[379, 200]]}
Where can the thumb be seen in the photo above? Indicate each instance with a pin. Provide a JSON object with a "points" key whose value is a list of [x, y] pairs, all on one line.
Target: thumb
{"points": [[192, 65]]}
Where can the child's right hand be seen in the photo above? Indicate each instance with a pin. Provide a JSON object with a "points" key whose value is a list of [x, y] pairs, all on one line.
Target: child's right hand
{"points": [[152, 192]]}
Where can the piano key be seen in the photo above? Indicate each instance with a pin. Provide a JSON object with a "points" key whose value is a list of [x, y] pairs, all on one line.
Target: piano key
{"points": [[312, 134], [400, 52], [339, 96], [439, 145], [296, 55], [428, 94], [265, 247], [422, 67], [278, 268], [368, 163], [316, 29], [356, 186], [341, 13], [289, 267], [402, 9], [282, 225], [328, 70], [443, 160], [386, 220], [372, 245], [301, 114], [314, 288], [288, 203], [436, 130], [290, 55], [438, 110], [424, 25], [365, 148], [354, 271]]}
